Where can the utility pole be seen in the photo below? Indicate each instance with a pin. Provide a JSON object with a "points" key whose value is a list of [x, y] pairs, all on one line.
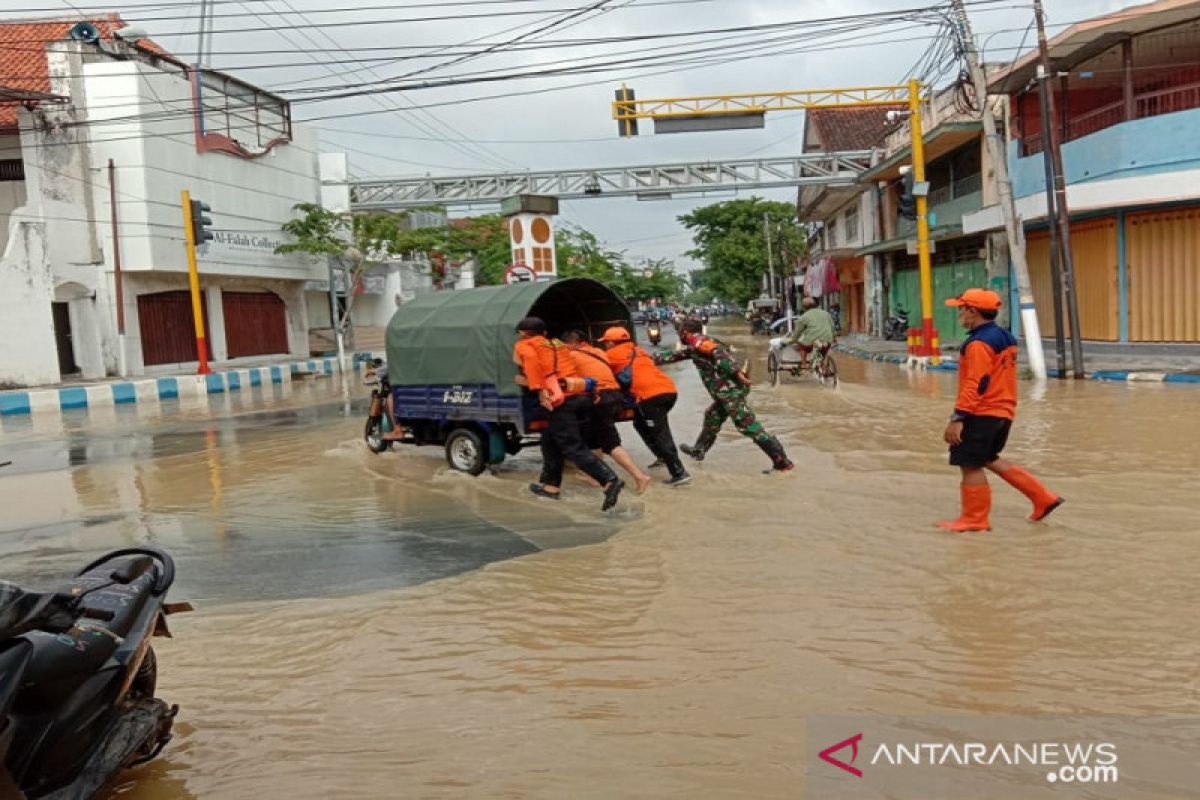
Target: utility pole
{"points": [[770, 257], [1053, 149], [1013, 229], [1056, 293]]}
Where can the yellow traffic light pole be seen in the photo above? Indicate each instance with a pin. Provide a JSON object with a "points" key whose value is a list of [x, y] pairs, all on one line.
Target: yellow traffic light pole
{"points": [[194, 283], [929, 341], [626, 111]]}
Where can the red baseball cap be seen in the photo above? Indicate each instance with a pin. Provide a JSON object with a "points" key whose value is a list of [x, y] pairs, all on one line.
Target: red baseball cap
{"points": [[983, 299]]}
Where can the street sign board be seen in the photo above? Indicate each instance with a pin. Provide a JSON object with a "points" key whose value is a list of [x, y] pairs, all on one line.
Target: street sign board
{"points": [[519, 273]]}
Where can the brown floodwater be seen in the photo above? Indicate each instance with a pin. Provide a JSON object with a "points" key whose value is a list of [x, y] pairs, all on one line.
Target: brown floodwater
{"points": [[381, 627]]}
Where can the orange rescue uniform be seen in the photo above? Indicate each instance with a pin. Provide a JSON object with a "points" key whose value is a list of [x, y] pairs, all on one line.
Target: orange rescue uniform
{"points": [[987, 374], [542, 360], [648, 380], [592, 363]]}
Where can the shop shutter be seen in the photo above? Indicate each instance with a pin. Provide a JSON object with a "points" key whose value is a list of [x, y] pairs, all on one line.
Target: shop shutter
{"points": [[1163, 262], [1094, 248], [255, 324], [167, 327]]}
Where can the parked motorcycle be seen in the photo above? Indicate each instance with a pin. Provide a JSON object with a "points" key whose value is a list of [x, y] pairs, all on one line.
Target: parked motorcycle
{"points": [[379, 422], [654, 332], [896, 327], [78, 676]]}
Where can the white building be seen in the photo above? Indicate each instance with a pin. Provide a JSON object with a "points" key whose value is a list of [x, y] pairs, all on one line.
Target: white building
{"points": [[156, 127]]}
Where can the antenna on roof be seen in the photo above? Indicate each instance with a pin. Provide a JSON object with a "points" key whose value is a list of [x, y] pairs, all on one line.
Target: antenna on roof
{"points": [[202, 48]]}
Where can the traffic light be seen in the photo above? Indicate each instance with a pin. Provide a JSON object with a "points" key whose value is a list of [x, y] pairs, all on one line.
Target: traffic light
{"points": [[907, 201], [626, 127], [200, 223]]}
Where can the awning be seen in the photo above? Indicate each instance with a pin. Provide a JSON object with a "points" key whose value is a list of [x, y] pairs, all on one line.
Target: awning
{"points": [[941, 140], [935, 235], [1086, 39]]}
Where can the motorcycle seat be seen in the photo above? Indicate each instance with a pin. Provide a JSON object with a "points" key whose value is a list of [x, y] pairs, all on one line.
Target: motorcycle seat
{"points": [[62, 662]]}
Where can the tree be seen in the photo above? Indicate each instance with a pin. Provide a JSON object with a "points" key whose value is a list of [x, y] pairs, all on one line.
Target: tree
{"points": [[729, 240], [352, 243]]}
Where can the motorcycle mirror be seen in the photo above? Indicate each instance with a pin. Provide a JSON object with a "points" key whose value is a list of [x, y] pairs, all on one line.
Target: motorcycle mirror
{"points": [[132, 569]]}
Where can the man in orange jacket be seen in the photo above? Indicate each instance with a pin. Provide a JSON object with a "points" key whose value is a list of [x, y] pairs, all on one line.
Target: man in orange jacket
{"points": [[983, 415], [655, 395], [548, 368], [601, 432]]}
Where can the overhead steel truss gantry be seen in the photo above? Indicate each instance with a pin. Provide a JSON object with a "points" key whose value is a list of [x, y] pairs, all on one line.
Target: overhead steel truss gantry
{"points": [[713, 112], [649, 182]]}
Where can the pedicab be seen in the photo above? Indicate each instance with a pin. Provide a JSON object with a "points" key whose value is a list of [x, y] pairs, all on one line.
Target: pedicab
{"points": [[451, 369], [784, 359]]}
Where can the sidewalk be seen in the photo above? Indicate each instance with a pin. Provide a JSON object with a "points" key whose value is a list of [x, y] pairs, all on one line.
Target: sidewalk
{"points": [[1169, 363], [118, 391]]}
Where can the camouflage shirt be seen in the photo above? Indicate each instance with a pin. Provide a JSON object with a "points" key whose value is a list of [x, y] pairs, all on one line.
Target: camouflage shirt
{"points": [[716, 364]]}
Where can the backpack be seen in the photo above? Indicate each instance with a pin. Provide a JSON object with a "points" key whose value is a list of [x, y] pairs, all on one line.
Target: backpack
{"points": [[624, 376]]}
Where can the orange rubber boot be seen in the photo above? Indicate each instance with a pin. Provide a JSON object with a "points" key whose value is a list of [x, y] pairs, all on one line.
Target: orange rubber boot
{"points": [[1044, 501], [976, 504]]}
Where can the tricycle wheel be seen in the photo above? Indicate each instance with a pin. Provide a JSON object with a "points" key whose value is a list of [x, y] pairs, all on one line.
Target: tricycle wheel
{"points": [[466, 451], [773, 368], [374, 435]]}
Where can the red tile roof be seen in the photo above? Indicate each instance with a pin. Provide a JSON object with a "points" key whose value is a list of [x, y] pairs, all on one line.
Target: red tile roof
{"points": [[851, 128], [23, 54]]}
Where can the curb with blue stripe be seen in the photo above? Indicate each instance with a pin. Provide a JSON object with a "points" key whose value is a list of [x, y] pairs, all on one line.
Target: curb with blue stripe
{"points": [[125, 392], [1098, 375]]}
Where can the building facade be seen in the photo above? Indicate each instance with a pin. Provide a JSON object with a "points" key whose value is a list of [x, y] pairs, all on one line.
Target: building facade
{"points": [[1127, 88], [94, 228]]}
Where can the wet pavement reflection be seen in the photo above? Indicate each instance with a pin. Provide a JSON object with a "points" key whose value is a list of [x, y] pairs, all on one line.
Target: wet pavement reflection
{"points": [[379, 626]]}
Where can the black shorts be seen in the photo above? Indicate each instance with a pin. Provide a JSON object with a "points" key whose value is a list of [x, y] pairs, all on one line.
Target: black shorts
{"points": [[601, 429], [983, 438]]}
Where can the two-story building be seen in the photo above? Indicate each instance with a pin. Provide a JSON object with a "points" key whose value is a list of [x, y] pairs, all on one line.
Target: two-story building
{"points": [[844, 219], [957, 168], [94, 158], [1127, 87]]}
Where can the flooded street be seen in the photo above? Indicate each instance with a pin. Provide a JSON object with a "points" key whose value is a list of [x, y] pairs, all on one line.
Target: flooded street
{"points": [[378, 626]]}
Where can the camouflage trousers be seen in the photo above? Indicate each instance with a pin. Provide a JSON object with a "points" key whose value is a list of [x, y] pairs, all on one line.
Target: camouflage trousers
{"points": [[733, 406]]}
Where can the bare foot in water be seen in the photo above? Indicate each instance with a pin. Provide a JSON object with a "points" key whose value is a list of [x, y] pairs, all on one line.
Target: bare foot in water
{"points": [[641, 482]]}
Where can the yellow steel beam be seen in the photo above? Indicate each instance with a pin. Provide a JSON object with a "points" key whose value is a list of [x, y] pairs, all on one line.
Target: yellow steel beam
{"points": [[907, 96], [760, 102]]}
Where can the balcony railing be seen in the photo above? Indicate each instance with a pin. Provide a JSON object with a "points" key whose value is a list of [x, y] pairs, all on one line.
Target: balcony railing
{"points": [[1146, 104]]}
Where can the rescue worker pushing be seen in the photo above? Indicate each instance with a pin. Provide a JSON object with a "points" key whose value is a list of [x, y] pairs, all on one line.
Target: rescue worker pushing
{"points": [[983, 415], [548, 368], [601, 431], [655, 395], [729, 388]]}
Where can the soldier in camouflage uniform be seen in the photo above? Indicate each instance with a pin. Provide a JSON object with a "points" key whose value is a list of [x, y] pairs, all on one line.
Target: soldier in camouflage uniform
{"points": [[729, 387]]}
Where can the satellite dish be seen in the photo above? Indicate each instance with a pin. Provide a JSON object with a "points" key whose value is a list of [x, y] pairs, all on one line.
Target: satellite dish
{"points": [[84, 32]]}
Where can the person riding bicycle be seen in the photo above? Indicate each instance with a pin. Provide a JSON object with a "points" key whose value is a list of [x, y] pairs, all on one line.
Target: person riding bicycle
{"points": [[814, 325]]}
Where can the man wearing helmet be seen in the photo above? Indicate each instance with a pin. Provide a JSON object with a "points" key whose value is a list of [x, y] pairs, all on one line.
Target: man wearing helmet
{"points": [[729, 388]]}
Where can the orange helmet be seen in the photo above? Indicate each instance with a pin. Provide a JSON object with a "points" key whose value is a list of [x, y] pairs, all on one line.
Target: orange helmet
{"points": [[615, 334]]}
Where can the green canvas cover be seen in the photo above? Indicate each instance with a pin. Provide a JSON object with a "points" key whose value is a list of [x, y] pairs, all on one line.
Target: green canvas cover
{"points": [[466, 337]]}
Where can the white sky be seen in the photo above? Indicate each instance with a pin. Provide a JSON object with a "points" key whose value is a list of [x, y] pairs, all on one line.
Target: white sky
{"points": [[641, 228]]}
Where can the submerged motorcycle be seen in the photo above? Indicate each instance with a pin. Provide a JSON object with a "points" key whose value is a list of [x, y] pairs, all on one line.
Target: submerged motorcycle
{"points": [[78, 677]]}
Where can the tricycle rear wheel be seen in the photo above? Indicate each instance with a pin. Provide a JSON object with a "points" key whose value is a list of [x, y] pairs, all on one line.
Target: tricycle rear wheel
{"points": [[466, 451], [373, 435]]}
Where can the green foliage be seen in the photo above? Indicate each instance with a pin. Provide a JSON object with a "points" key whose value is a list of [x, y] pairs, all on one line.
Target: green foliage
{"points": [[729, 240], [359, 241], [580, 255]]}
